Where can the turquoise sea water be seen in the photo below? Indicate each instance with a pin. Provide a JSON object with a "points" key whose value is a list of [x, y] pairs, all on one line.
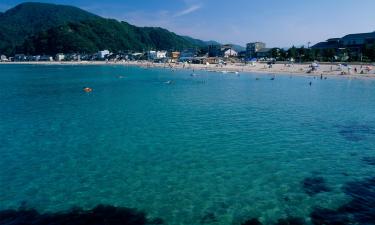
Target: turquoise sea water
{"points": [[214, 148]]}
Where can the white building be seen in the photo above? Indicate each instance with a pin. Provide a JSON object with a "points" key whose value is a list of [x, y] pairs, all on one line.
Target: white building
{"points": [[156, 55], [230, 53], [3, 58], [103, 54], [161, 54], [60, 57]]}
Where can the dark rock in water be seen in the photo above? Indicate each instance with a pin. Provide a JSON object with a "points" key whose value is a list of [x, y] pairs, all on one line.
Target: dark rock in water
{"points": [[360, 210], [101, 214], [286, 198], [345, 174], [369, 160], [356, 132], [252, 222], [351, 136], [328, 217], [291, 221], [209, 218], [314, 185], [156, 221], [362, 205]]}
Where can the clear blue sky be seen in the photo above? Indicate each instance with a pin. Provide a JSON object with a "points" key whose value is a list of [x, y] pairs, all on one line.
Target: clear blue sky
{"points": [[277, 22]]}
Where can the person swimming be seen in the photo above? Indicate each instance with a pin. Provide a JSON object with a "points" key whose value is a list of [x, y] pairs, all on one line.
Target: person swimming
{"points": [[87, 89]]}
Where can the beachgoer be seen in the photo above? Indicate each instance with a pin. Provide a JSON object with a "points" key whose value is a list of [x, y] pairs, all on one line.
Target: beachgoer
{"points": [[87, 90]]}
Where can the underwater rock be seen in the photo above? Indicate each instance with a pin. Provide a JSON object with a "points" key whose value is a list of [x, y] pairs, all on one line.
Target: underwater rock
{"points": [[328, 217], [209, 218], [253, 221], [362, 205], [101, 214], [291, 221], [369, 160], [360, 210], [314, 185], [355, 132]]}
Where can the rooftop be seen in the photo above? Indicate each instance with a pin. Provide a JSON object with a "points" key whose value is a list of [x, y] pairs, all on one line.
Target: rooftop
{"points": [[360, 35]]}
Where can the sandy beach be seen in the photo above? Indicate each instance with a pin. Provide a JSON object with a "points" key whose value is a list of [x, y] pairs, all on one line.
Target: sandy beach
{"points": [[325, 69]]}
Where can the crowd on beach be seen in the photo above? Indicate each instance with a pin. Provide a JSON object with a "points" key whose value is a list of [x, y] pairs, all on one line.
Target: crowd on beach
{"points": [[314, 69]]}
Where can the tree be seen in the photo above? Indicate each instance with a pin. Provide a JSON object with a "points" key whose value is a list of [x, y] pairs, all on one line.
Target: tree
{"points": [[292, 52]]}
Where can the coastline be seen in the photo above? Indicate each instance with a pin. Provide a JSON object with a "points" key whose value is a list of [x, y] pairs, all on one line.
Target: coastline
{"points": [[326, 70]]}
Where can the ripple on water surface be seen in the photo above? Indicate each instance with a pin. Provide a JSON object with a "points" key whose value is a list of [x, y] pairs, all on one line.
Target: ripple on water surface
{"points": [[207, 149]]}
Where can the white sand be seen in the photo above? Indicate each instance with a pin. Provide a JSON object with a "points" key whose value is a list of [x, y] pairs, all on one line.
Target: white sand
{"points": [[262, 68]]}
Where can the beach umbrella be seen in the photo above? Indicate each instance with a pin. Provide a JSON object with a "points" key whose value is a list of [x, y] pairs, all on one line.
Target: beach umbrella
{"points": [[314, 65]]}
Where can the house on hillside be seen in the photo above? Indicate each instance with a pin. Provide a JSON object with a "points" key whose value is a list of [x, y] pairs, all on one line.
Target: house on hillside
{"points": [[20, 58], [229, 52], [175, 56], [161, 54], [60, 57], [103, 54], [3, 58]]}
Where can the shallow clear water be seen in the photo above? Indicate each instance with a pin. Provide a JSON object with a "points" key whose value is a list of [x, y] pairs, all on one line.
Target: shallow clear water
{"points": [[214, 144]]}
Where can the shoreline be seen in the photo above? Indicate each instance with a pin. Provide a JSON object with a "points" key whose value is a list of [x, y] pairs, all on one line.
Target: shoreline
{"points": [[326, 70]]}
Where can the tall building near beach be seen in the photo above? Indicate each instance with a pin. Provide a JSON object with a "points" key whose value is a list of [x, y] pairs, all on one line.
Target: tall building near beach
{"points": [[253, 48], [214, 50]]}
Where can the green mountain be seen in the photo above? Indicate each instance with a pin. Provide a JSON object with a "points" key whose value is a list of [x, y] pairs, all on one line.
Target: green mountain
{"points": [[29, 18], [201, 43], [94, 35], [41, 28]]}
